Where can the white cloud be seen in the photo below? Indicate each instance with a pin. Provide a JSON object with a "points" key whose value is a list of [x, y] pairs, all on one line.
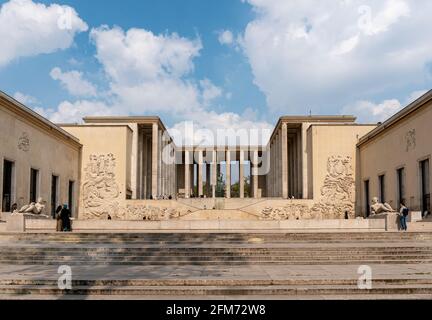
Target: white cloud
{"points": [[415, 95], [322, 55], [25, 99], [138, 55], [28, 28], [150, 74], [370, 112], [209, 91], [226, 37], [68, 112], [74, 82]]}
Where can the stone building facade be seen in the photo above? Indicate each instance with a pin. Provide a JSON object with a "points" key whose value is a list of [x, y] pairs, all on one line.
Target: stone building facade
{"points": [[129, 168], [38, 159]]}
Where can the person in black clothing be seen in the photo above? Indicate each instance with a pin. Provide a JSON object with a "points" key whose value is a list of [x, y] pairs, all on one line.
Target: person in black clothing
{"points": [[59, 227], [65, 216]]}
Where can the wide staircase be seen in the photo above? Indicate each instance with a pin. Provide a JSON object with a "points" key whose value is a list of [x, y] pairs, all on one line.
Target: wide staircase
{"points": [[216, 265]]}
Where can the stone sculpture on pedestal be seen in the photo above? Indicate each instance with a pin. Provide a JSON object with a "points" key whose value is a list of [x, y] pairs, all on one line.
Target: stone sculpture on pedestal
{"points": [[32, 208], [377, 207]]}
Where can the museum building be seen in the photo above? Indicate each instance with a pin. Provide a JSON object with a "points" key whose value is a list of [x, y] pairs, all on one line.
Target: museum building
{"points": [[129, 168]]}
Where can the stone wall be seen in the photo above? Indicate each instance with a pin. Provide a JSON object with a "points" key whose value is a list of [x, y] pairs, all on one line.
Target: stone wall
{"points": [[31, 143]]}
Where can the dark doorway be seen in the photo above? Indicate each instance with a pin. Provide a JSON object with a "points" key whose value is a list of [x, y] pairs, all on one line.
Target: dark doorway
{"points": [[425, 185], [34, 185], [367, 198], [70, 196], [7, 185], [382, 188], [401, 186], [54, 194]]}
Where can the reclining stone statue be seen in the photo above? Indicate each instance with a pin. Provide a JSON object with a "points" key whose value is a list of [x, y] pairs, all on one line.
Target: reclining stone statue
{"points": [[377, 207], [33, 208]]}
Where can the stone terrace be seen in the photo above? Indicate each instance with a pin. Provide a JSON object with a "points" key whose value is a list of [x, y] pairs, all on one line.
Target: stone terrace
{"points": [[216, 265]]}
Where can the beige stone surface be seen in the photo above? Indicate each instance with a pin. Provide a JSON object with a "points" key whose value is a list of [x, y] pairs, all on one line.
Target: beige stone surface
{"points": [[105, 159], [402, 145], [30, 141]]}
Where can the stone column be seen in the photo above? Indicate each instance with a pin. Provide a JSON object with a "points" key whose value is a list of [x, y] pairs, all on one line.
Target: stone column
{"points": [[187, 175], [144, 167], [208, 184], [284, 161], [200, 174], [304, 156], [228, 174], [255, 176], [214, 173], [134, 160], [155, 162], [159, 162], [241, 175]]}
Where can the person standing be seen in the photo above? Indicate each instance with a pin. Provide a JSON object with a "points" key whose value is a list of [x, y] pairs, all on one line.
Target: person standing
{"points": [[59, 227], [403, 213], [65, 218]]}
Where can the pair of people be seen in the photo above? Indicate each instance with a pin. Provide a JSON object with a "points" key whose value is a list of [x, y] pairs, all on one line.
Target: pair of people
{"points": [[403, 215], [63, 216]]}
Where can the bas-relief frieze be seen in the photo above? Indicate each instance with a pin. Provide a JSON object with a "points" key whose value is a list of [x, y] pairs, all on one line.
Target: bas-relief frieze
{"points": [[152, 213], [100, 190], [337, 196], [24, 142], [101, 195], [410, 140]]}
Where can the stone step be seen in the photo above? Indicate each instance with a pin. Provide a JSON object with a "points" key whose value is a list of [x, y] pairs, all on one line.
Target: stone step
{"points": [[213, 250], [343, 297], [215, 236], [187, 262], [132, 257], [214, 282], [292, 290]]}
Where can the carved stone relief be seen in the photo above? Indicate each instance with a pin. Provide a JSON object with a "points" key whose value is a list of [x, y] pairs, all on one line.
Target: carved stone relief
{"points": [[410, 140], [337, 196], [152, 213], [100, 189], [24, 142], [338, 191], [288, 212]]}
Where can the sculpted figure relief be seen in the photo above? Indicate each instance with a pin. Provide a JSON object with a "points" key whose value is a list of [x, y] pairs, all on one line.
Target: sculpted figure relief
{"points": [[100, 189], [290, 211], [337, 195], [151, 213], [24, 142], [33, 208], [377, 207]]}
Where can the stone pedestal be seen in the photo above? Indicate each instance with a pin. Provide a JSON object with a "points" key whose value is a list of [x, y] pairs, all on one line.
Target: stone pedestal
{"points": [[16, 223], [391, 220], [415, 216]]}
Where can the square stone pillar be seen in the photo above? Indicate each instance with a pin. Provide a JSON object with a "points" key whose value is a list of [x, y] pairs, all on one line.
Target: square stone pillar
{"points": [[228, 174], [241, 175], [160, 180], [284, 161], [134, 161], [214, 173], [187, 175], [208, 179], [200, 173], [155, 159], [255, 171]]}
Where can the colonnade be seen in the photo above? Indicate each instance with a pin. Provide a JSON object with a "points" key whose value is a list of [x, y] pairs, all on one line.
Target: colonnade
{"points": [[211, 160]]}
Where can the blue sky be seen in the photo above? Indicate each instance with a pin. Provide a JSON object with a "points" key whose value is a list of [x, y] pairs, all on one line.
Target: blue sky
{"points": [[222, 64]]}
